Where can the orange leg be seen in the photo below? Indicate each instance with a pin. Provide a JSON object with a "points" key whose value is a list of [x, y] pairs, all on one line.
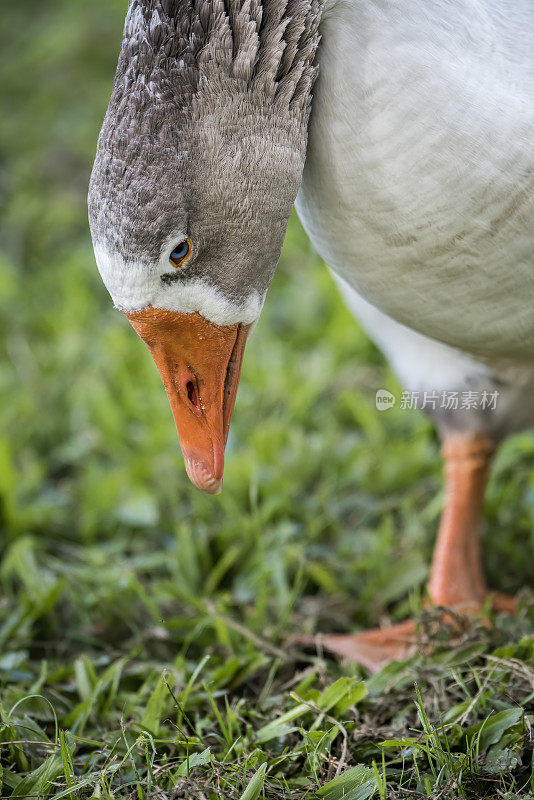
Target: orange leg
{"points": [[456, 574]]}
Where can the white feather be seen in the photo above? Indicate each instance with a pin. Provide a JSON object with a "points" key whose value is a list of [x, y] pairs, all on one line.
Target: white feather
{"points": [[134, 285], [418, 187]]}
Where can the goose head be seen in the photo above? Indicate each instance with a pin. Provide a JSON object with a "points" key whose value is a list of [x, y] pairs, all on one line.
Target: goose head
{"points": [[198, 164]]}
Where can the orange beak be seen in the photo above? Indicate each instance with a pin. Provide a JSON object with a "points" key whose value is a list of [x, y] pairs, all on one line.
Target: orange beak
{"points": [[199, 363]]}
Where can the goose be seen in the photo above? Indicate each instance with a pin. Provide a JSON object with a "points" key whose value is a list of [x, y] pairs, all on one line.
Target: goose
{"points": [[403, 132]]}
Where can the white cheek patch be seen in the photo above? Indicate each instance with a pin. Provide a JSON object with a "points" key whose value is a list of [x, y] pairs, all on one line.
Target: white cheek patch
{"points": [[134, 286], [201, 296]]}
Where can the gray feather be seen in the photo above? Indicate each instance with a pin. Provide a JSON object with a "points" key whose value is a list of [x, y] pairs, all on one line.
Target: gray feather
{"points": [[206, 131]]}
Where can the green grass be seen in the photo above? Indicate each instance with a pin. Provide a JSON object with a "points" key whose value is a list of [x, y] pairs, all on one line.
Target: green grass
{"points": [[145, 629]]}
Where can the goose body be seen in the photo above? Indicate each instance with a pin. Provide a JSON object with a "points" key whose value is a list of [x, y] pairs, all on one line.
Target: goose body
{"points": [[416, 175], [418, 188]]}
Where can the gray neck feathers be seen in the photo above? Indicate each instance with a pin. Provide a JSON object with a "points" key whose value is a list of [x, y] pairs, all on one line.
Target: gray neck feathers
{"points": [[181, 49], [209, 115]]}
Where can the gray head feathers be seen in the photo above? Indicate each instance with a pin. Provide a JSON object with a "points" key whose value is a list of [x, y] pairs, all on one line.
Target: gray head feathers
{"points": [[205, 136]]}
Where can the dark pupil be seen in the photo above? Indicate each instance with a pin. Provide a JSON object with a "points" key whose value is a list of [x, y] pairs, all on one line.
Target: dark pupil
{"points": [[180, 251]]}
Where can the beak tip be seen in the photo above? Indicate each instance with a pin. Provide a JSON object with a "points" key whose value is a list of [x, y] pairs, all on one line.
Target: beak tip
{"points": [[202, 478], [213, 488]]}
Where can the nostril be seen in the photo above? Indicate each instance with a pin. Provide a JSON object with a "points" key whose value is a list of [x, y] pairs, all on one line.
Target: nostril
{"points": [[192, 394]]}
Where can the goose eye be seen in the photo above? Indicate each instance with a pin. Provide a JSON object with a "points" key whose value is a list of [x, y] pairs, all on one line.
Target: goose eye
{"points": [[180, 253]]}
